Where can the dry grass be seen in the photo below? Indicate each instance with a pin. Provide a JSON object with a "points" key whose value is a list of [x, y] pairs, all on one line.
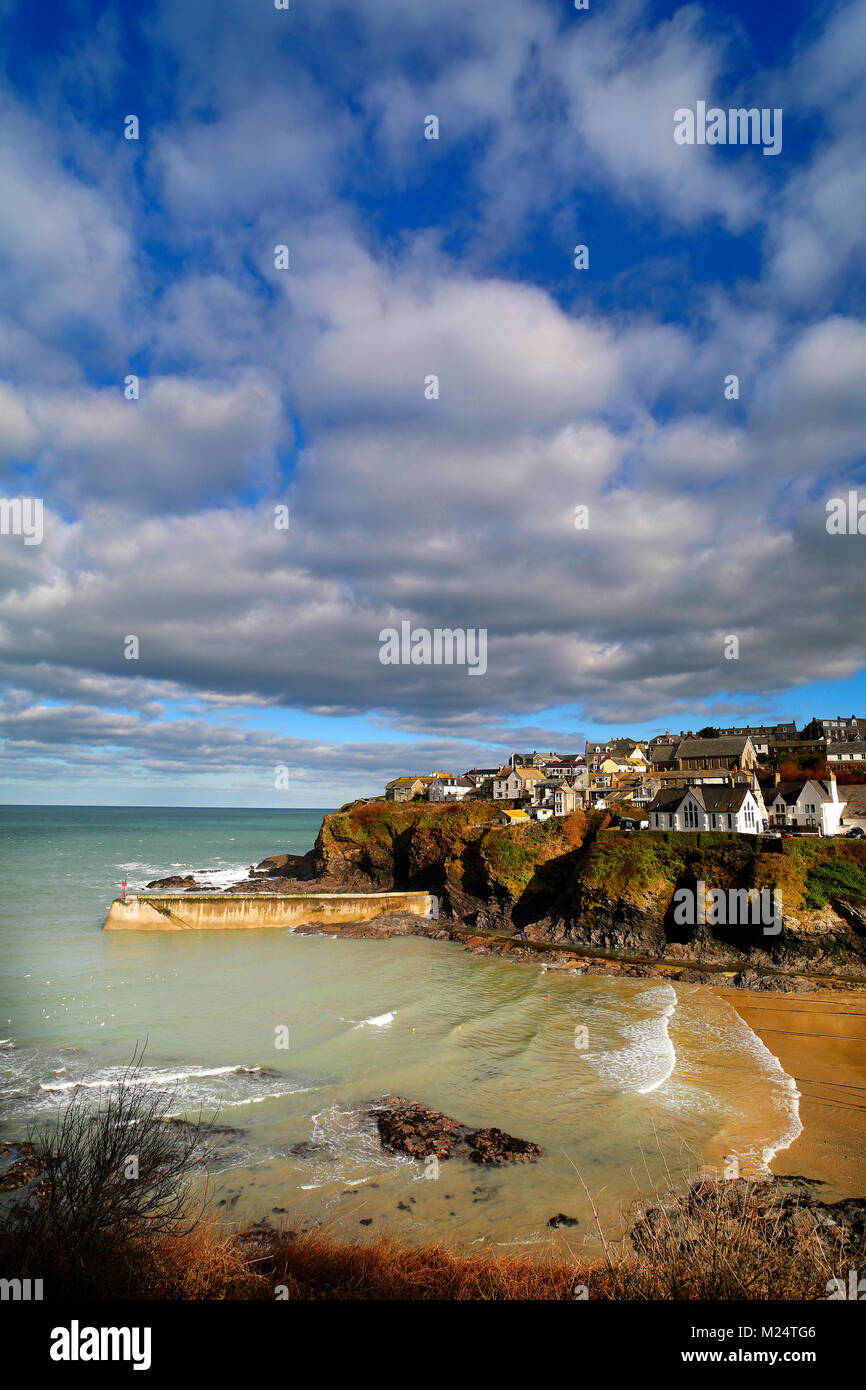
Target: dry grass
{"points": [[725, 1241], [315, 1265], [731, 1247]]}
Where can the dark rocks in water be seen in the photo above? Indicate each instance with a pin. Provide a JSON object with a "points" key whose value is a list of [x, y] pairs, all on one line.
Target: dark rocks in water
{"points": [[305, 1149], [495, 1146], [562, 1220], [410, 1128], [286, 866], [174, 881], [407, 1128]]}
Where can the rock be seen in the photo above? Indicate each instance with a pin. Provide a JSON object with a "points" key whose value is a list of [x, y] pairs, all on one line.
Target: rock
{"points": [[305, 1149], [575, 883], [366, 1221], [23, 1170], [384, 924], [174, 881], [791, 1206], [562, 1220], [410, 1128], [286, 866], [495, 1146]]}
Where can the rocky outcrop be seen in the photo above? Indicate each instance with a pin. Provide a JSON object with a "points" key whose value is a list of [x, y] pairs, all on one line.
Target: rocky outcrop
{"points": [[412, 1129], [384, 925], [294, 866], [578, 882], [791, 1208], [174, 881]]}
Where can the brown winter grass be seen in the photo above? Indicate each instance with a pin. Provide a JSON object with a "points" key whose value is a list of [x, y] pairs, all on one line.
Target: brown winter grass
{"points": [[732, 1250]]}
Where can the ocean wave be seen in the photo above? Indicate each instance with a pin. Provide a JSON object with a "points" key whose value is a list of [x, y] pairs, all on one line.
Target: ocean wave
{"points": [[35, 1082], [154, 1078], [649, 1057], [346, 1149], [138, 875]]}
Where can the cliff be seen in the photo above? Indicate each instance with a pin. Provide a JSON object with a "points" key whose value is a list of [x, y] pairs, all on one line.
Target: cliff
{"points": [[577, 881]]}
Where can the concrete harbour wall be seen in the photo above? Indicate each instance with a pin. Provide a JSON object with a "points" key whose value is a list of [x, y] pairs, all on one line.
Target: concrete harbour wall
{"points": [[233, 911]]}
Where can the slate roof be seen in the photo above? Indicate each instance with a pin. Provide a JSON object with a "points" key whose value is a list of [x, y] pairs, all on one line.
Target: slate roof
{"points": [[713, 799], [663, 752], [712, 747], [790, 792]]}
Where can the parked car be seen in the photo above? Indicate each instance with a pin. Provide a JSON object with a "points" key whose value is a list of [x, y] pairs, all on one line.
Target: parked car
{"points": [[856, 833]]}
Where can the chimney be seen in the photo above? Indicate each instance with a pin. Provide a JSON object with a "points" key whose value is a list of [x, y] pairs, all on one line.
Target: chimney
{"points": [[834, 794], [777, 777]]}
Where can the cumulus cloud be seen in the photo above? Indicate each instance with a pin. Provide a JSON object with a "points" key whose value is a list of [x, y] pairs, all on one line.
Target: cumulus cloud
{"points": [[305, 389]]}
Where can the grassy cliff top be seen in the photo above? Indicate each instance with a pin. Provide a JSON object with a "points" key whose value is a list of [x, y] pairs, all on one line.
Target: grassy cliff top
{"points": [[393, 841]]}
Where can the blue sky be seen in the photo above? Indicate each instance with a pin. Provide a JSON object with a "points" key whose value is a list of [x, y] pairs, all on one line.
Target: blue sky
{"points": [[258, 648]]}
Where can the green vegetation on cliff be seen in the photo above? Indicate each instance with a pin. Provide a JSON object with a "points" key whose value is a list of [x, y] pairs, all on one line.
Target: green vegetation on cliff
{"points": [[578, 879]]}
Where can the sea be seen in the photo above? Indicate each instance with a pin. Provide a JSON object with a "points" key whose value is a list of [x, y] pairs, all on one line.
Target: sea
{"points": [[287, 1040]]}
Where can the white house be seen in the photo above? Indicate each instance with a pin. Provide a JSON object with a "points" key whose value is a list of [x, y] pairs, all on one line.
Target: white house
{"points": [[567, 798], [448, 788], [807, 804], [735, 807]]}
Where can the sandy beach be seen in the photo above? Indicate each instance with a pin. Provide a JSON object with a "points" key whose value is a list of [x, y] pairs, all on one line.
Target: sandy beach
{"points": [[820, 1040]]}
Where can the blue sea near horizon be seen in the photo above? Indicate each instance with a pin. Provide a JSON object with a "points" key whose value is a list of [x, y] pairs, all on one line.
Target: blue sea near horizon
{"points": [[668, 1076]]}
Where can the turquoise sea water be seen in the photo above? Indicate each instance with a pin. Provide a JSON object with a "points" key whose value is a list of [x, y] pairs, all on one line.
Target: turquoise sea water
{"points": [[612, 1077]]}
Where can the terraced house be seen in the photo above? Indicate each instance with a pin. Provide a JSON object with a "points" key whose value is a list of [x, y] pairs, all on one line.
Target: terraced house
{"points": [[516, 782], [707, 758]]}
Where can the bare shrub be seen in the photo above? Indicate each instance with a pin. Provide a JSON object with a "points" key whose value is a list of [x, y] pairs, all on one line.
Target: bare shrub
{"points": [[116, 1179]]}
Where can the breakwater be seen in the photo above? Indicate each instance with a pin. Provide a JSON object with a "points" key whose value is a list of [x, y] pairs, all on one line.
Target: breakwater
{"points": [[237, 911]]}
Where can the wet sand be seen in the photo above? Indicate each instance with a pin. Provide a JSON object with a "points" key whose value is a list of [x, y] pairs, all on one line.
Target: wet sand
{"points": [[820, 1040]]}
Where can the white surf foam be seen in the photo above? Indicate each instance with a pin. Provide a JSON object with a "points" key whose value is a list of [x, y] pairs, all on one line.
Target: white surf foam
{"points": [[649, 1057], [153, 1078]]}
